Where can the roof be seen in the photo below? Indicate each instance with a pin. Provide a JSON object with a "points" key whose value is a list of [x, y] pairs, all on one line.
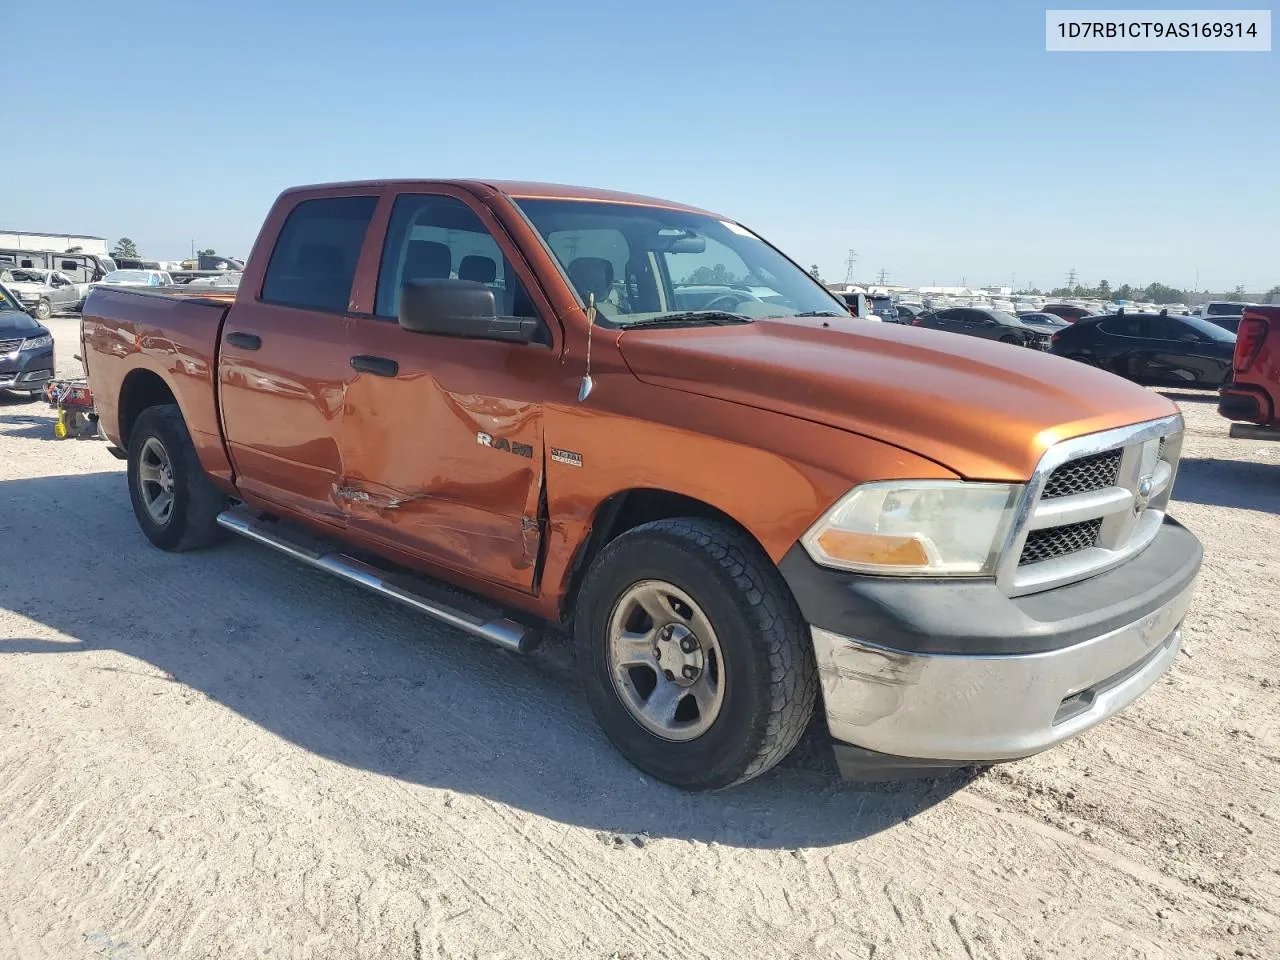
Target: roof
{"points": [[51, 233], [520, 190]]}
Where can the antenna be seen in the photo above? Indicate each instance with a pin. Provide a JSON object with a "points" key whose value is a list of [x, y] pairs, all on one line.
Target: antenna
{"points": [[584, 390], [848, 267]]}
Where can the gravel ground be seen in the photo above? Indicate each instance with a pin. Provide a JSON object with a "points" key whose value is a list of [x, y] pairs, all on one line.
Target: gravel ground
{"points": [[224, 754]]}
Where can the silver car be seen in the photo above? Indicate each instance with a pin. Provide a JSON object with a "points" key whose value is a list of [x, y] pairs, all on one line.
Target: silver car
{"points": [[42, 292]]}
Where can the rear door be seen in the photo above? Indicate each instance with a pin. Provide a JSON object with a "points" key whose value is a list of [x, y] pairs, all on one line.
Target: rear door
{"points": [[284, 358], [442, 437]]}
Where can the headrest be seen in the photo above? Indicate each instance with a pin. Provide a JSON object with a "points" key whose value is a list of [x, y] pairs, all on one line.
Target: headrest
{"points": [[591, 275], [478, 268], [427, 260]]}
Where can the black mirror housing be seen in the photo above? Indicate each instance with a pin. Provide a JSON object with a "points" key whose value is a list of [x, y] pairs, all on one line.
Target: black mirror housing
{"points": [[459, 308]]}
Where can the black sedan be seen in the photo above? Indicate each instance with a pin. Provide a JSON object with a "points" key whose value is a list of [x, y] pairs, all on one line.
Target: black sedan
{"points": [[26, 348], [1151, 348], [990, 324]]}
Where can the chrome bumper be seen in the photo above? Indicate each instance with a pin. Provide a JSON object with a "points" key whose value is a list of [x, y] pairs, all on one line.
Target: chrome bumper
{"points": [[986, 708]]}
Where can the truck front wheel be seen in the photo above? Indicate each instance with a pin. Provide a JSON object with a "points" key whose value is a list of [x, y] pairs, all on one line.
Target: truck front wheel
{"points": [[175, 502], [698, 663]]}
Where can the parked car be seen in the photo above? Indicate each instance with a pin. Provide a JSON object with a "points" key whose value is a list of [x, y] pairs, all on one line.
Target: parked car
{"points": [[26, 347], [908, 312], [1048, 320], [42, 292], [135, 278], [1225, 314], [1151, 348], [1252, 395], [1067, 311], [988, 324], [81, 268], [728, 509]]}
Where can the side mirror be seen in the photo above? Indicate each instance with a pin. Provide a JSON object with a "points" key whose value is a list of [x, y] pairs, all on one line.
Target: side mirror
{"points": [[459, 308]]}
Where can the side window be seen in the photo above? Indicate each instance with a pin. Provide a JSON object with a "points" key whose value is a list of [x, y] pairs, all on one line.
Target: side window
{"points": [[314, 260], [1120, 326], [437, 237], [1166, 328]]}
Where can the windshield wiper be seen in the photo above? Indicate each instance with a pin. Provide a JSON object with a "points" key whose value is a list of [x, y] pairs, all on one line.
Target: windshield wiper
{"points": [[820, 313], [711, 318]]}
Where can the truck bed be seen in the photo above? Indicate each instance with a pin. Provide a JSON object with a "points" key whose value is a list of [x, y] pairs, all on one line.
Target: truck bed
{"points": [[127, 336]]}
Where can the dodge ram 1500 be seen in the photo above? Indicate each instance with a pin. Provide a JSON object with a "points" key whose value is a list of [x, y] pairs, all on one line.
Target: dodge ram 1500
{"points": [[525, 409]]}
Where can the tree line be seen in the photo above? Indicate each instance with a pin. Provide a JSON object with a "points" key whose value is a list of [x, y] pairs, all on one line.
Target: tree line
{"points": [[1152, 292]]}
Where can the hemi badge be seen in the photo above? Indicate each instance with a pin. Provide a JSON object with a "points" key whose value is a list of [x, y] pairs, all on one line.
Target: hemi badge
{"points": [[566, 457]]}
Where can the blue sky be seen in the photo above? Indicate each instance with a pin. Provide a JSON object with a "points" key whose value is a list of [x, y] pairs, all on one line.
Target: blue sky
{"points": [[938, 139]]}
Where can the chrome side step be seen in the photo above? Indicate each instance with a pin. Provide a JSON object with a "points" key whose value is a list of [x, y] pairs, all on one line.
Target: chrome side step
{"points": [[505, 633]]}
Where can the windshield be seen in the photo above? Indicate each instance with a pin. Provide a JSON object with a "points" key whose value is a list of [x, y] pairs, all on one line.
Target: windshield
{"points": [[127, 276], [23, 276], [8, 301], [644, 263]]}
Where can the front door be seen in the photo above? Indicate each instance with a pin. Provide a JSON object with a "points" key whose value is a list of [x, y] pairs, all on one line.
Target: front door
{"points": [[284, 360], [442, 437]]}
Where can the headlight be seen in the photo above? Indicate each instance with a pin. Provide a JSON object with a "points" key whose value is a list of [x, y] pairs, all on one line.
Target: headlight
{"points": [[945, 528], [37, 343]]}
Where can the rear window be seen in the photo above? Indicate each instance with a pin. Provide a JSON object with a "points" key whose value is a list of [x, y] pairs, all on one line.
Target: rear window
{"points": [[314, 261], [1224, 310]]}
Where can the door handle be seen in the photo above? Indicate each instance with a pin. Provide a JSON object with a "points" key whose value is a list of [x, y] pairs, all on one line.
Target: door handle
{"points": [[378, 366], [245, 341]]}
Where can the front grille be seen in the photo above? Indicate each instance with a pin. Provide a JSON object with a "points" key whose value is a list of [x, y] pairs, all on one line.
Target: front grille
{"points": [[1059, 541], [8, 346], [1083, 475]]}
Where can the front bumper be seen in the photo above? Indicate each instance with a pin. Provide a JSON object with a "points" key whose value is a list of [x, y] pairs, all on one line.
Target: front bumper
{"points": [[26, 370], [926, 676]]}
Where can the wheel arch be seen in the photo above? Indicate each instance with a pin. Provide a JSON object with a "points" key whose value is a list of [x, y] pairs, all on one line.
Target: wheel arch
{"points": [[142, 388], [628, 509]]}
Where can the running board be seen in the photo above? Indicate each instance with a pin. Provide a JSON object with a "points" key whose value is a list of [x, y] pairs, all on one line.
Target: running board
{"points": [[1253, 431], [505, 633]]}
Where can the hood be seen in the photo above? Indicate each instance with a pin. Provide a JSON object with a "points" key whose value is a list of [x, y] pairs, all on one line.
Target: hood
{"points": [[15, 323], [25, 287], [984, 410]]}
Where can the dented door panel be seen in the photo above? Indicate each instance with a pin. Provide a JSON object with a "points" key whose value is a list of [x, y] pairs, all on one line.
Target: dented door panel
{"points": [[445, 460]]}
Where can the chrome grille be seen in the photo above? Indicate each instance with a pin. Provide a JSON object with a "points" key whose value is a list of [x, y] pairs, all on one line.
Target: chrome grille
{"points": [[1044, 545], [1093, 502], [1083, 475], [8, 346]]}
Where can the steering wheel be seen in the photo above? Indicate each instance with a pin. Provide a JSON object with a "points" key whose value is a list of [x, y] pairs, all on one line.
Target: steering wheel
{"points": [[726, 301]]}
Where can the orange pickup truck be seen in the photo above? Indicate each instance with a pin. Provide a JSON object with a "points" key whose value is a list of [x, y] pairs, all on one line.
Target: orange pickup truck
{"points": [[526, 409]]}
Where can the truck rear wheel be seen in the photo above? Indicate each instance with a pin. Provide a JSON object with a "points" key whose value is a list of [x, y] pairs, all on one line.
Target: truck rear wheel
{"points": [[698, 663], [173, 498]]}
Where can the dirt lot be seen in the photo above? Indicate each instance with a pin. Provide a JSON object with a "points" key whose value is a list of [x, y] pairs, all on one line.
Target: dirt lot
{"points": [[225, 755]]}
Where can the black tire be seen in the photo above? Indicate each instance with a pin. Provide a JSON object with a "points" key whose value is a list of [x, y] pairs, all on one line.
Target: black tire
{"points": [[192, 521], [770, 677], [43, 311]]}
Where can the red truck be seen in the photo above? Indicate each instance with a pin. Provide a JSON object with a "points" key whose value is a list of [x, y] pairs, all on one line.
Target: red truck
{"points": [[1252, 395], [526, 409]]}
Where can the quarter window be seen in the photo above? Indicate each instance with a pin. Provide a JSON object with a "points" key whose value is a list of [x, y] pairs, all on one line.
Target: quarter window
{"points": [[314, 261]]}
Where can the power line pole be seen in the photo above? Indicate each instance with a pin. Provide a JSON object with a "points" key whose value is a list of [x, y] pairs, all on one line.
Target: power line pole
{"points": [[1071, 279], [882, 277], [848, 267]]}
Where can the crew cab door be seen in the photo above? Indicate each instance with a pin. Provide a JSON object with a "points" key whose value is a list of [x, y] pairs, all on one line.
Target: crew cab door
{"points": [[283, 359], [442, 437]]}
